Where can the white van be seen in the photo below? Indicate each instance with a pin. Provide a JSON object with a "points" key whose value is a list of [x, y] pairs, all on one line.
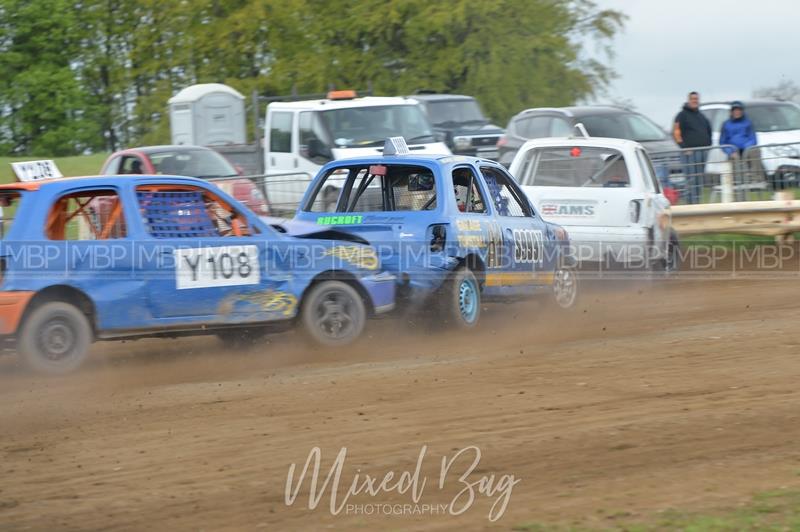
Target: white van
{"points": [[301, 136], [605, 193]]}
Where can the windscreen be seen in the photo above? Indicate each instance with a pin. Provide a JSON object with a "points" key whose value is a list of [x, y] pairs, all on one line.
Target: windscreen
{"points": [[192, 163], [575, 167], [780, 117], [359, 127], [622, 126], [445, 112]]}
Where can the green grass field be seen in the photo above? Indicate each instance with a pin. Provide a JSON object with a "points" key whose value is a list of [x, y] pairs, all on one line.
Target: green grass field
{"points": [[69, 166], [770, 511]]}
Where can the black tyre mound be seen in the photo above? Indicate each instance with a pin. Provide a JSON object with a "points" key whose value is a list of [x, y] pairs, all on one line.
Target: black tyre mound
{"points": [[54, 338]]}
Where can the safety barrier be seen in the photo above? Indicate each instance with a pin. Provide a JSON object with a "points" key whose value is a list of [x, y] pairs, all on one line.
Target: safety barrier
{"points": [[778, 218], [726, 174]]}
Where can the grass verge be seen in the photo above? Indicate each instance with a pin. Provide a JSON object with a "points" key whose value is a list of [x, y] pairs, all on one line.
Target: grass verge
{"points": [[770, 511], [69, 166]]}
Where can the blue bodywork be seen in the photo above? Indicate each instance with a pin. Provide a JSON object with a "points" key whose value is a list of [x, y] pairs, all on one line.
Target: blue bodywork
{"points": [[511, 253], [133, 282]]}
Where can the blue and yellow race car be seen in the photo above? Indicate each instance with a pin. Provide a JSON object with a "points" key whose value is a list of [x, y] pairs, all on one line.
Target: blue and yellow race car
{"points": [[109, 258], [450, 228]]}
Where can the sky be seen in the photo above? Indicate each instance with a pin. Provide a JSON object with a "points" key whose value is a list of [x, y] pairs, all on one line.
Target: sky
{"points": [[723, 49]]}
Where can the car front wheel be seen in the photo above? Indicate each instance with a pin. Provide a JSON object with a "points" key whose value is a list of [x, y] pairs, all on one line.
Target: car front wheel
{"points": [[333, 314], [54, 338]]}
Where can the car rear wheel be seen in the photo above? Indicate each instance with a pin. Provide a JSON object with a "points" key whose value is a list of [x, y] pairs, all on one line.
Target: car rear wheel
{"points": [[460, 302], [333, 314], [54, 338], [671, 263]]}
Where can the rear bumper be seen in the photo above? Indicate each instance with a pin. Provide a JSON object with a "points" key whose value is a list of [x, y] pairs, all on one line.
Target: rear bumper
{"points": [[12, 305], [596, 244], [381, 288]]}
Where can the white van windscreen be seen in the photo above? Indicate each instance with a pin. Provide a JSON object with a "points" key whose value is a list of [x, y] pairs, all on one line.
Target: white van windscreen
{"points": [[370, 126], [575, 166]]}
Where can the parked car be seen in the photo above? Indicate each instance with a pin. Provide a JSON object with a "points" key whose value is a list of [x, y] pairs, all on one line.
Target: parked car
{"points": [[189, 161], [461, 123], [599, 121], [777, 126], [451, 229], [301, 136], [173, 256], [605, 193]]}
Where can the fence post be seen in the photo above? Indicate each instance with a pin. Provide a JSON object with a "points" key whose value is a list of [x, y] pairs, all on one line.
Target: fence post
{"points": [[257, 133], [726, 182]]}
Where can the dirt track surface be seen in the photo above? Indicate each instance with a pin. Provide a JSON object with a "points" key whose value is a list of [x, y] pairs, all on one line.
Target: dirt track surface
{"points": [[680, 395]]}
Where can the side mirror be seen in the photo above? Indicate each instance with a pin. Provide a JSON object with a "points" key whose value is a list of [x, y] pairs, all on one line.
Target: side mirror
{"points": [[317, 150]]}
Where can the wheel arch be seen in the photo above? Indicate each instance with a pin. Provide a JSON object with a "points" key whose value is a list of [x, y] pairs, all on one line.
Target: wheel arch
{"points": [[345, 277], [474, 262], [65, 294]]}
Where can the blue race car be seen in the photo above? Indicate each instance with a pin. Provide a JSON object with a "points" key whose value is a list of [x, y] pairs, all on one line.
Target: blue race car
{"points": [[128, 256], [451, 228]]}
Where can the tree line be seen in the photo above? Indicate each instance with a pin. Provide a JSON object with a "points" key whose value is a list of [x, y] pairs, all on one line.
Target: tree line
{"points": [[79, 76]]}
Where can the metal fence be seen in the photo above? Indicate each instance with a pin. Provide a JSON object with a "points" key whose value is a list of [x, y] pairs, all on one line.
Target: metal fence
{"points": [[281, 192], [721, 174]]}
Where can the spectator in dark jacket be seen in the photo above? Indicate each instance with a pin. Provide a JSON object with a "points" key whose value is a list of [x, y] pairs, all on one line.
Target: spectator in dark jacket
{"points": [[693, 130], [736, 136]]}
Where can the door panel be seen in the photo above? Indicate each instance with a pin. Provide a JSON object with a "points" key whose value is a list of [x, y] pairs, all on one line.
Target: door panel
{"points": [[525, 258]]}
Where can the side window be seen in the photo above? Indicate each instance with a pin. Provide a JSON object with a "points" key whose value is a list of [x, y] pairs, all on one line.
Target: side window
{"points": [[538, 127], [467, 191], [560, 128], [506, 197], [518, 126], [130, 165], [112, 167], [328, 191], [280, 132], [179, 211], [648, 171], [86, 215]]}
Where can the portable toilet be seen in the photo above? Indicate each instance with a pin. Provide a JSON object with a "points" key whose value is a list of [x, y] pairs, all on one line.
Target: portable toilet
{"points": [[207, 114]]}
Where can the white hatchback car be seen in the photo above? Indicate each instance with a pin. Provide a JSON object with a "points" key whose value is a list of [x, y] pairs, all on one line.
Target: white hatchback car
{"points": [[605, 193]]}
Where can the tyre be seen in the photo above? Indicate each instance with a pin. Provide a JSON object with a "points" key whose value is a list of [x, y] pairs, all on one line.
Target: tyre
{"points": [[333, 314], [672, 262], [54, 338], [565, 287], [460, 301], [241, 338]]}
